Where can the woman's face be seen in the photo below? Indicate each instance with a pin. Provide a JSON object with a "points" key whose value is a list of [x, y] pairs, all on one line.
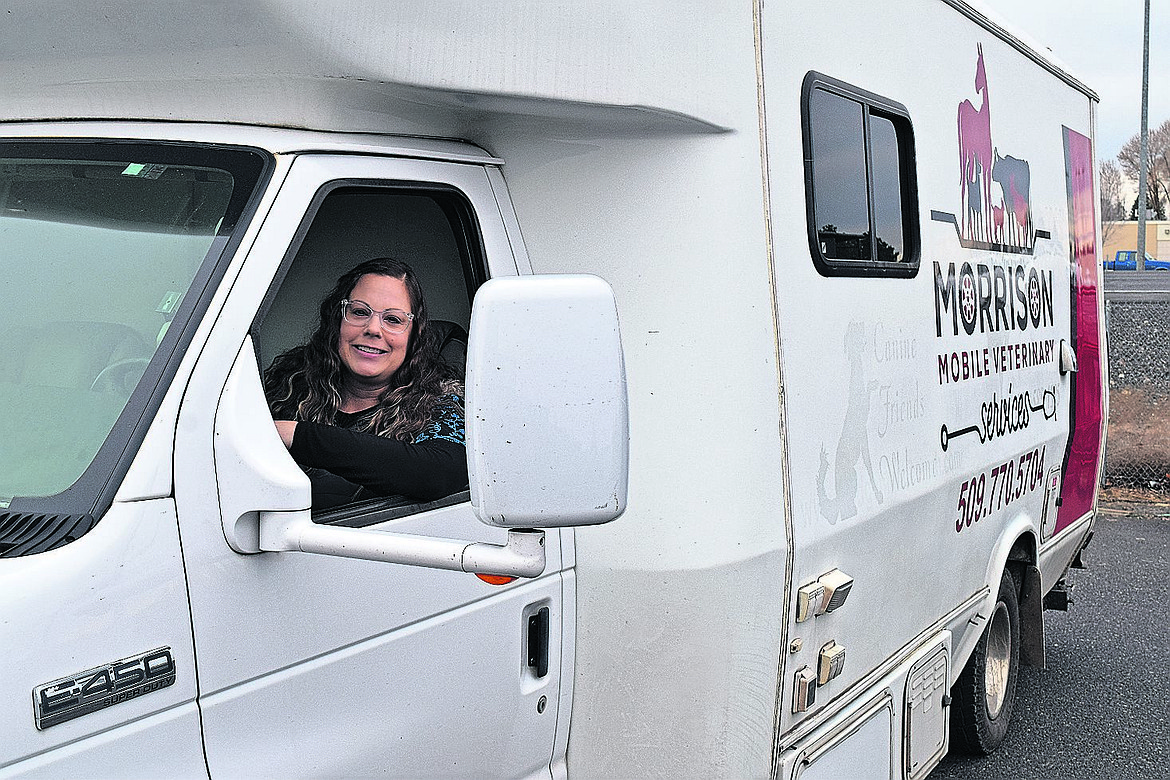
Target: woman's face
{"points": [[371, 354]]}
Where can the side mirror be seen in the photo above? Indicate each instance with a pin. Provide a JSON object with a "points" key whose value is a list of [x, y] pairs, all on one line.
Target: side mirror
{"points": [[547, 413]]}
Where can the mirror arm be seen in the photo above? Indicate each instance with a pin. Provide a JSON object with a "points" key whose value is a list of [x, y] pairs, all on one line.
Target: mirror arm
{"points": [[522, 555]]}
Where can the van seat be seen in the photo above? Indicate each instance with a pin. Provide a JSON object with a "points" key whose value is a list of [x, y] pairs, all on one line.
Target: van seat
{"points": [[452, 340], [72, 354]]}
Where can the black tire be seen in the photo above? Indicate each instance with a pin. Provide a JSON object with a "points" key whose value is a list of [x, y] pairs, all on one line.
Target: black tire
{"points": [[983, 696]]}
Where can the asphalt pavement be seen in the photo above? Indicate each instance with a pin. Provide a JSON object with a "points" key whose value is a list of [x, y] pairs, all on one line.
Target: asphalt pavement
{"points": [[1136, 285], [1101, 709]]}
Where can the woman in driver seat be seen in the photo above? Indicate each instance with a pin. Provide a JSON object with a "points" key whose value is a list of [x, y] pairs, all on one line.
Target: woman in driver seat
{"points": [[367, 406]]}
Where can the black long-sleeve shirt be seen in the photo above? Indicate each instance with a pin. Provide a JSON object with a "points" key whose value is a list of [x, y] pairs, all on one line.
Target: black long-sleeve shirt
{"points": [[433, 465]]}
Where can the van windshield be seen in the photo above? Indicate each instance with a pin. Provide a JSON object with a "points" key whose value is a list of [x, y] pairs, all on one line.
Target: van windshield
{"points": [[104, 248]]}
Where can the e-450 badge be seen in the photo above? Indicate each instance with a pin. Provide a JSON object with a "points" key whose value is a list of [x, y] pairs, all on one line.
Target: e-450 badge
{"points": [[95, 689]]}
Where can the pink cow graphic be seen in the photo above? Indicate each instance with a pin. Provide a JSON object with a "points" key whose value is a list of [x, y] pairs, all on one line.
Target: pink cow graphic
{"points": [[1014, 178], [975, 158]]}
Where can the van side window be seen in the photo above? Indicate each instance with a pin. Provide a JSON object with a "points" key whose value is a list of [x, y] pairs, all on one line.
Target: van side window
{"points": [[860, 182], [434, 232]]}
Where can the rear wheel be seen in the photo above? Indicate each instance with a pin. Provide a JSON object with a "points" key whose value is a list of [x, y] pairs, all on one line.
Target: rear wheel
{"points": [[983, 696]]}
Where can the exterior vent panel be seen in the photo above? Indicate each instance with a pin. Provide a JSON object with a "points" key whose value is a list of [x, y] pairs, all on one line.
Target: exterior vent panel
{"points": [[23, 533]]}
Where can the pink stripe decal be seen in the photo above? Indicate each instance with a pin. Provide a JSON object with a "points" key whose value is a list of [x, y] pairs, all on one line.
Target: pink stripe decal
{"points": [[1079, 485]]}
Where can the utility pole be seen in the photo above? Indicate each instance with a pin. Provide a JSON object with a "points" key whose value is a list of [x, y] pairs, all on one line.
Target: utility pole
{"points": [[1143, 182]]}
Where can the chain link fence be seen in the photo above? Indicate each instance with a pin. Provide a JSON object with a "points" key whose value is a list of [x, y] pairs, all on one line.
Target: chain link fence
{"points": [[1137, 450]]}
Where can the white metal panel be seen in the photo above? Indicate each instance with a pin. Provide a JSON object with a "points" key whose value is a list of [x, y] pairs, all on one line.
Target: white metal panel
{"points": [[925, 721], [874, 733], [167, 744], [423, 701], [114, 593], [194, 457], [149, 475], [864, 755], [694, 571], [358, 66]]}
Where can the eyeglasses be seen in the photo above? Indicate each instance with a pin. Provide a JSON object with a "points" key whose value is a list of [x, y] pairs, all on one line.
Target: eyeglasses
{"points": [[359, 313]]}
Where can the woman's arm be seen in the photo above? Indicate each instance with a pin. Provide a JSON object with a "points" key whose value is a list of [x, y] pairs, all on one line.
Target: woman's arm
{"points": [[428, 470], [286, 429]]}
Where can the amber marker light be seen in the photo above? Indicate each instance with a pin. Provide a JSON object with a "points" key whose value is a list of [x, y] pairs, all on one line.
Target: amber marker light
{"points": [[495, 579]]}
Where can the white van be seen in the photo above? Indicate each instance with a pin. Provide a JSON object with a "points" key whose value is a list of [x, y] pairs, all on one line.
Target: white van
{"points": [[852, 424]]}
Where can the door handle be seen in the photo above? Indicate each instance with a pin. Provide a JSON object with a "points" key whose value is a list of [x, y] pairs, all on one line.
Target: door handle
{"points": [[1068, 358], [538, 642]]}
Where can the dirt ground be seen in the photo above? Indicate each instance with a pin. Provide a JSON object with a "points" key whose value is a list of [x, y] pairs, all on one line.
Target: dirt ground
{"points": [[1137, 450], [1126, 501]]}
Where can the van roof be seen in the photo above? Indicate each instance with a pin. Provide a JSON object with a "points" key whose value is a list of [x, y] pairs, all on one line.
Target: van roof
{"points": [[1025, 44], [412, 68], [273, 139]]}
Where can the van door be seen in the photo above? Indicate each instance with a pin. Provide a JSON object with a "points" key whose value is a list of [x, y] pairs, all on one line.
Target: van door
{"points": [[1087, 398], [323, 666]]}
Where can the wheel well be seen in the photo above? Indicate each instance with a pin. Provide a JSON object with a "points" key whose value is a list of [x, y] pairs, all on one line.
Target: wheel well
{"points": [[1021, 556], [1022, 565]]}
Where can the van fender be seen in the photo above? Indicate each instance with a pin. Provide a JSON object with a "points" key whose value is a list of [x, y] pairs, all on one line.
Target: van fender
{"points": [[1016, 545], [1017, 549]]}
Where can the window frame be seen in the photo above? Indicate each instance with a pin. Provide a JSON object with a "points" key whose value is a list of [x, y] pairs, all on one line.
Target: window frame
{"points": [[871, 105], [68, 515], [461, 214]]}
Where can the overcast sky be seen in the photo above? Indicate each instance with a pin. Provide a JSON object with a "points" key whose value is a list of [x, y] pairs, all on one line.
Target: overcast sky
{"points": [[1100, 42]]}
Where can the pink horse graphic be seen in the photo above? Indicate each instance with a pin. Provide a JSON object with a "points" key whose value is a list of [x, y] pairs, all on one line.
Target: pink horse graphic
{"points": [[976, 158]]}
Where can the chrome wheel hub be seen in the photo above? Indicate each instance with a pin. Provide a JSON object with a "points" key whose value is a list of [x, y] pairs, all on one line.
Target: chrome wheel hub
{"points": [[998, 661]]}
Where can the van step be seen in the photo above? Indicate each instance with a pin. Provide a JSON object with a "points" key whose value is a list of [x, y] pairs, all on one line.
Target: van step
{"points": [[1060, 597]]}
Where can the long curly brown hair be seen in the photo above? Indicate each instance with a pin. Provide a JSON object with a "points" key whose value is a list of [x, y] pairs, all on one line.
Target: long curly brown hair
{"points": [[304, 383]]}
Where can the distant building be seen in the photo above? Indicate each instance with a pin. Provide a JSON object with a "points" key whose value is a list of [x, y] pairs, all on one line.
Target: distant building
{"points": [[1117, 236]]}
